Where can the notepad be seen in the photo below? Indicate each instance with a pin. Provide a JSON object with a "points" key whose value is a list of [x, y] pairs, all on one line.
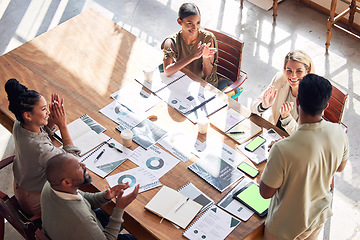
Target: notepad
{"points": [[83, 136], [243, 131], [173, 206], [189, 190], [215, 223]]}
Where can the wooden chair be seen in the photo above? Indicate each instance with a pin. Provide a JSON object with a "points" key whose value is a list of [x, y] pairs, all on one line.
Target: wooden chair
{"points": [[229, 65], [332, 20], [10, 210], [275, 6], [335, 110]]}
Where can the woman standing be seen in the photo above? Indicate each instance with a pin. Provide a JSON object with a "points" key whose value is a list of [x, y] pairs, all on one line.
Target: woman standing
{"points": [[32, 129], [283, 90], [191, 47]]}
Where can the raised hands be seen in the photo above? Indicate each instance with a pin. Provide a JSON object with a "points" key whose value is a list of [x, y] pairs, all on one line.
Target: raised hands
{"points": [[123, 201], [57, 111], [269, 97], [204, 50], [110, 193], [285, 109]]}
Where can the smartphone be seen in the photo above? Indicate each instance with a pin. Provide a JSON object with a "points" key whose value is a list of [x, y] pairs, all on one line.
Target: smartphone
{"points": [[255, 143], [250, 197], [249, 170]]}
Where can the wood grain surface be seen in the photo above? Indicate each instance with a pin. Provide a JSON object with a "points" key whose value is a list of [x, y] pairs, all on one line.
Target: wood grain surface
{"points": [[85, 60]]}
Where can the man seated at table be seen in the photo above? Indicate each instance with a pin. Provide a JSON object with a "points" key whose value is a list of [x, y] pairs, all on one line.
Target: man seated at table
{"points": [[300, 168], [67, 212]]}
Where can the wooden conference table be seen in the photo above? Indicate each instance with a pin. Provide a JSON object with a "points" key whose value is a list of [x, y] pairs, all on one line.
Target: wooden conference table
{"points": [[86, 59]]}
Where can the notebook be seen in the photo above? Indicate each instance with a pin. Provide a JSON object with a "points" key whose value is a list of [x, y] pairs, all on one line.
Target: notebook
{"points": [[192, 192], [173, 206], [214, 224], [83, 136], [216, 172]]}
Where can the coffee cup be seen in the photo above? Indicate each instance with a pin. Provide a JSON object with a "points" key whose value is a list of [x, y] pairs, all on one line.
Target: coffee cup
{"points": [[126, 136], [148, 73], [203, 123]]}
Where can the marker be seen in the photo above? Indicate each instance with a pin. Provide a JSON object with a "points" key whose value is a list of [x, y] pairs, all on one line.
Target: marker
{"points": [[240, 132], [99, 156]]}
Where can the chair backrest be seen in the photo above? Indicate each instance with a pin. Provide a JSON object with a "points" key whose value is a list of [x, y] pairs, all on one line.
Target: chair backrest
{"points": [[10, 211], [230, 55], [334, 113]]}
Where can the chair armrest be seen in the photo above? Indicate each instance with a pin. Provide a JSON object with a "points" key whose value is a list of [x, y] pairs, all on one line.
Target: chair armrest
{"points": [[6, 161], [3, 196], [40, 234], [240, 80], [344, 127]]}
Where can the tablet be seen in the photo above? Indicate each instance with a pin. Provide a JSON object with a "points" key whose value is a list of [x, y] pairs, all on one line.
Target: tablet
{"points": [[250, 197]]}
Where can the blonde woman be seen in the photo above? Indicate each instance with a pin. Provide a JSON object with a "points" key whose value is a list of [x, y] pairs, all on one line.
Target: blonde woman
{"points": [[281, 94]]}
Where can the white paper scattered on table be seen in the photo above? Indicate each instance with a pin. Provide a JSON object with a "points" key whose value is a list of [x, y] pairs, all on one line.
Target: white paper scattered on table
{"points": [[138, 100], [135, 176], [122, 115], [110, 158], [155, 160], [214, 224]]}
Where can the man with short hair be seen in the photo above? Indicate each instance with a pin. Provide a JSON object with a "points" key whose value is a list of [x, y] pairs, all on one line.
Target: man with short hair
{"points": [[300, 168], [68, 213]]}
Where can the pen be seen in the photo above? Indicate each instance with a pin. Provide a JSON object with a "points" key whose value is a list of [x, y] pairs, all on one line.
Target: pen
{"points": [[112, 145], [99, 156], [182, 204], [240, 132]]}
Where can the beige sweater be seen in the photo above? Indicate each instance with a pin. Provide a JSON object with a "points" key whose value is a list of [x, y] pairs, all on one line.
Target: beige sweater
{"points": [[32, 151]]}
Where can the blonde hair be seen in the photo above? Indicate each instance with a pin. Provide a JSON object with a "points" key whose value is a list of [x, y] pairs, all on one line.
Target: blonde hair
{"points": [[301, 57]]}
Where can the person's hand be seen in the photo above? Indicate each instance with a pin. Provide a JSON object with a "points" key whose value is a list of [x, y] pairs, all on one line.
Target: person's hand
{"points": [[198, 52], [208, 51], [110, 193], [285, 109], [123, 201], [273, 142], [57, 110], [269, 97]]}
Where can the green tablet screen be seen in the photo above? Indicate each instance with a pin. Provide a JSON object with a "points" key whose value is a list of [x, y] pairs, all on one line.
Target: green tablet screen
{"points": [[251, 196]]}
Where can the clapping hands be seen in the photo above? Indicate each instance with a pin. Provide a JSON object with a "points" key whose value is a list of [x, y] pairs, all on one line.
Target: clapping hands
{"points": [[269, 97], [204, 50], [285, 109]]}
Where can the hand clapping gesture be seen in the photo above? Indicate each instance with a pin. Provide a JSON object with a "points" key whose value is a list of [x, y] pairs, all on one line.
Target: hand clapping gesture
{"points": [[269, 97], [204, 50], [285, 109], [57, 111]]}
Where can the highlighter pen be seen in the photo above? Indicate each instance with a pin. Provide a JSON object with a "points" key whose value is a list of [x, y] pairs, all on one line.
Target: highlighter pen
{"points": [[99, 156]]}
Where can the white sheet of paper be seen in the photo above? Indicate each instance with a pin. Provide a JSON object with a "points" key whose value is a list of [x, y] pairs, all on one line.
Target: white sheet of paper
{"points": [[134, 176], [155, 160], [214, 224], [109, 160], [137, 99], [122, 115]]}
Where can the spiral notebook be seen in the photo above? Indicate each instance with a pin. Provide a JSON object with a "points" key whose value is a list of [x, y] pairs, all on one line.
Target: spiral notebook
{"points": [[214, 224], [106, 157], [192, 192]]}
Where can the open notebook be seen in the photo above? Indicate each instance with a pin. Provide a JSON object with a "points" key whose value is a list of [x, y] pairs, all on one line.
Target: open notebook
{"points": [[173, 206]]}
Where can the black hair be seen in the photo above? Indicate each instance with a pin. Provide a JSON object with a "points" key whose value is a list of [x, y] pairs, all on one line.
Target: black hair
{"points": [[20, 98], [188, 9], [314, 94]]}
